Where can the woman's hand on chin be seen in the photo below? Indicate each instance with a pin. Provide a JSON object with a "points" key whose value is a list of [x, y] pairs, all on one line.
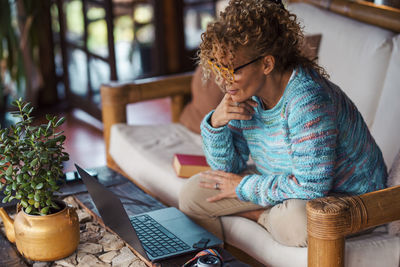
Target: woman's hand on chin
{"points": [[225, 182], [229, 110]]}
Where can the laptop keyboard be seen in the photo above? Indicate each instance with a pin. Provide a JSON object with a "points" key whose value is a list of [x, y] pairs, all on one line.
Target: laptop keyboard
{"points": [[156, 240]]}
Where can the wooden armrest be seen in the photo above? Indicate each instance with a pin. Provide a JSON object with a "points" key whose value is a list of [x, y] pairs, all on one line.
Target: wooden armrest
{"points": [[381, 16], [116, 96], [331, 219]]}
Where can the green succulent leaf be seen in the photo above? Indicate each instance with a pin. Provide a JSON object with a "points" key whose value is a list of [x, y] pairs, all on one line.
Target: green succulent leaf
{"points": [[44, 211], [48, 126], [9, 171], [24, 203], [54, 205], [60, 121], [24, 185], [34, 162], [37, 197], [5, 199], [20, 177], [31, 154], [28, 209], [39, 186], [26, 107]]}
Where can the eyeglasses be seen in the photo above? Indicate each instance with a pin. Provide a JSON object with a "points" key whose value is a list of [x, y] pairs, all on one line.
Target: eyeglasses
{"points": [[226, 73]]}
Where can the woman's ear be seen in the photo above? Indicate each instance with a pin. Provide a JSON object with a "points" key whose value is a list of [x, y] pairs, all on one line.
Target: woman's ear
{"points": [[269, 64]]}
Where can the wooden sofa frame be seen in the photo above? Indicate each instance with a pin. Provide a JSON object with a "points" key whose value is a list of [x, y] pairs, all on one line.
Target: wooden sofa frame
{"points": [[330, 219]]}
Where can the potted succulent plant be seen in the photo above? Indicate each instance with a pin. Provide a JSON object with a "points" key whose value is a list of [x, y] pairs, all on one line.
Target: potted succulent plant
{"points": [[31, 164]]}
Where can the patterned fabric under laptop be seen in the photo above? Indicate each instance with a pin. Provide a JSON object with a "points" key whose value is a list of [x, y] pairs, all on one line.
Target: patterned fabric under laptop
{"points": [[98, 247]]}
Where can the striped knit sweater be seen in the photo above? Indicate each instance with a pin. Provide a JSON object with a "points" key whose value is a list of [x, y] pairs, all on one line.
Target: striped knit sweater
{"points": [[312, 143]]}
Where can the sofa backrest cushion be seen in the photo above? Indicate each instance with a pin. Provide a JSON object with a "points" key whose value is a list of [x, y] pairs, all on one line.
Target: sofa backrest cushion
{"points": [[386, 126], [354, 54], [311, 45], [206, 96]]}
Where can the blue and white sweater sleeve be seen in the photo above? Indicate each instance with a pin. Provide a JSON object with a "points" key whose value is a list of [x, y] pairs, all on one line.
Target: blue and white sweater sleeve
{"points": [[311, 132], [224, 147]]}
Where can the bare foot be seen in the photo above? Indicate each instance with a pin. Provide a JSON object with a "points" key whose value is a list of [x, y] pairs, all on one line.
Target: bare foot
{"points": [[252, 215]]}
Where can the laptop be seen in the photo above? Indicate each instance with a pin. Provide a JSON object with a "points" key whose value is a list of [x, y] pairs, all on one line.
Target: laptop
{"points": [[156, 235]]}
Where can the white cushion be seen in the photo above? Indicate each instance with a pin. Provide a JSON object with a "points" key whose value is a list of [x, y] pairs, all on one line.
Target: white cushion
{"points": [[394, 174], [375, 249], [145, 154], [386, 127], [258, 243], [355, 54], [394, 180]]}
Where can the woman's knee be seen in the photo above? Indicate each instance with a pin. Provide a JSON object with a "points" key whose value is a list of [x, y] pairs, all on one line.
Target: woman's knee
{"points": [[287, 222], [190, 196]]}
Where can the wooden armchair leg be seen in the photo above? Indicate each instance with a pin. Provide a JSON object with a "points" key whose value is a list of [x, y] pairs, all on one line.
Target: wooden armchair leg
{"points": [[325, 252], [329, 221]]}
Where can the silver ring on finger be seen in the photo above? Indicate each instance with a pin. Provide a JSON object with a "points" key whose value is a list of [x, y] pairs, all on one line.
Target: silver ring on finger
{"points": [[237, 104], [216, 186]]}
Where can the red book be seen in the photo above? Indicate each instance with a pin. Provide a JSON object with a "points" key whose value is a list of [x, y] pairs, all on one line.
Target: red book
{"points": [[186, 165]]}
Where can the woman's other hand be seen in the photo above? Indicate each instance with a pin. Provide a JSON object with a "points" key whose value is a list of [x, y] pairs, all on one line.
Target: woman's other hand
{"points": [[225, 182], [229, 110]]}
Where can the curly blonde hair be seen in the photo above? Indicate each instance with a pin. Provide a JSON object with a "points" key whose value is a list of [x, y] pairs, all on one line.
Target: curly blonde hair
{"points": [[262, 26]]}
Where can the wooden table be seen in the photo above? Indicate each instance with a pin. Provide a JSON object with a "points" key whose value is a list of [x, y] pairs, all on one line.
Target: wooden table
{"points": [[135, 202]]}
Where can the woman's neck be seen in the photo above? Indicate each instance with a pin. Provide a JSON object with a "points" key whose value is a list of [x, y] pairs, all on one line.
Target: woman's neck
{"points": [[274, 88]]}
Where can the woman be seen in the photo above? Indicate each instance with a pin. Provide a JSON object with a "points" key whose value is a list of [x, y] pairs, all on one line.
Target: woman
{"points": [[305, 136]]}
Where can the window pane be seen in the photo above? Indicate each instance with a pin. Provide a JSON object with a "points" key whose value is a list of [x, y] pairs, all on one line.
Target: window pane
{"points": [[75, 26], [58, 60], [97, 37], [99, 74], [95, 13], [392, 3], [196, 19], [55, 24], [128, 61], [220, 6], [77, 70], [123, 29], [144, 38]]}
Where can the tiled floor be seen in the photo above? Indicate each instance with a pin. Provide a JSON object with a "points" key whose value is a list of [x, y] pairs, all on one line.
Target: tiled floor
{"points": [[84, 134]]}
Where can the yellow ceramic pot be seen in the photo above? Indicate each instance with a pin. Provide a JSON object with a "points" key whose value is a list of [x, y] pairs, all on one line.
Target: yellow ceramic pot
{"points": [[45, 238]]}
